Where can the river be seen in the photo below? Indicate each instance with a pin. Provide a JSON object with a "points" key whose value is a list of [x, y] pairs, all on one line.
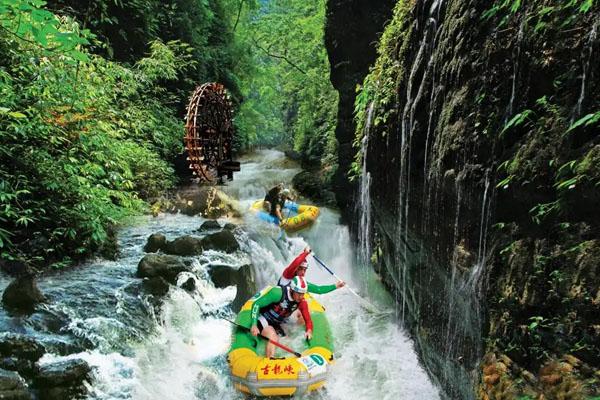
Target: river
{"points": [[138, 351]]}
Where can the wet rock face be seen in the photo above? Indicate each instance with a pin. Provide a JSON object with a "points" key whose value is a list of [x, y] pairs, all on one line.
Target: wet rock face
{"points": [[20, 346], [185, 246], [189, 285], [12, 386], [470, 159], [156, 242], [210, 225], [62, 380], [222, 241], [163, 266], [156, 286], [22, 294], [352, 28], [19, 353], [192, 245], [243, 278], [310, 184]]}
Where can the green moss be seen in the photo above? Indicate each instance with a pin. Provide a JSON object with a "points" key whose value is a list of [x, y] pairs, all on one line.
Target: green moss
{"points": [[589, 166], [380, 86]]}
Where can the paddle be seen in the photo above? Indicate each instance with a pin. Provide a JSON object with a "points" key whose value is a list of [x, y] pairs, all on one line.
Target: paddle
{"points": [[281, 346], [365, 301]]}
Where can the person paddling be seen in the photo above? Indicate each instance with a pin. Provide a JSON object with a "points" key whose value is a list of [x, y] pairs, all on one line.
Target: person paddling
{"points": [[275, 201], [274, 307], [298, 267]]}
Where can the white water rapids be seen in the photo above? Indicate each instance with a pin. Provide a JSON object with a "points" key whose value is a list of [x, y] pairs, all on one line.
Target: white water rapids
{"points": [[179, 353]]}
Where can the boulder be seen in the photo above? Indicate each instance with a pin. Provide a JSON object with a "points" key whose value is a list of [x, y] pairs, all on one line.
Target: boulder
{"points": [[71, 372], [156, 242], [243, 278], [229, 226], [20, 346], [155, 286], [15, 268], [12, 386], [159, 265], [222, 241], [185, 246], [189, 285], [210, 225], [207, 201], [24, 367], [62, 379], [293, 154], [22, 294]]}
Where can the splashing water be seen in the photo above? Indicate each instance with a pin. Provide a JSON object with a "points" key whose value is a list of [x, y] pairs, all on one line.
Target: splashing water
{"points": [[178, 351], [587, 57]]}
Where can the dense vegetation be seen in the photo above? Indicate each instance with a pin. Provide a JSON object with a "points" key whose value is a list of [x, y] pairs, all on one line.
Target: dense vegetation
{"points": [[287, 93], [84, 139], [93, 95]]}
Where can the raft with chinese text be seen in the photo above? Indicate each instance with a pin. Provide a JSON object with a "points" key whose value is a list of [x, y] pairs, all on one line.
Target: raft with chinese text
{"points": [[253, 373]]}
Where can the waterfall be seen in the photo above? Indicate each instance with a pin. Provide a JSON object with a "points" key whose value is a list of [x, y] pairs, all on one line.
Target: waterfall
{"points": [[407, 123], [586, 56], [485, 209], [451, 290], [473, 281], [364, 203], [516, 61]]}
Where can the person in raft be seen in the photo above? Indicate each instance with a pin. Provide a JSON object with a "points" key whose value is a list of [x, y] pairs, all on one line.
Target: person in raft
{"points": [[274, 308], [298, 267], [275, 200]]}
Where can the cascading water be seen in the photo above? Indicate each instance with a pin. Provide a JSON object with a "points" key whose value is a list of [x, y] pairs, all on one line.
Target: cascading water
{"points": [[425, 52], [177, 351], [364, 203], [474, 278], [586, 56], [516, 62]]}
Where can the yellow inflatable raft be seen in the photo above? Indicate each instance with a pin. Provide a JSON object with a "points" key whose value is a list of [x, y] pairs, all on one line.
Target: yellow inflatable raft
{"points": [[252, 373], [303, 215]]}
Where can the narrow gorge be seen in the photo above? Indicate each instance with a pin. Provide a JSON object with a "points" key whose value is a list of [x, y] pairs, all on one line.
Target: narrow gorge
{"points": [[473, 155]]}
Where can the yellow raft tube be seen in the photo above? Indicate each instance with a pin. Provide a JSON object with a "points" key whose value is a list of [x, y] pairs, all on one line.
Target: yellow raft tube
{"points": [[305, 215], [254, 374]]}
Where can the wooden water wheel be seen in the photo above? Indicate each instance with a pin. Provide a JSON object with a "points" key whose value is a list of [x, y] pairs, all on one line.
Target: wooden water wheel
{"points": [[209, 133]]}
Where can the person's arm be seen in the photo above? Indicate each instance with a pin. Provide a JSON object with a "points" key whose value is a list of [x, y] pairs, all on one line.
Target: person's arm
{"points": [[321, 289], [278, 213], [303, 307], [272, 296], [290, 271]]}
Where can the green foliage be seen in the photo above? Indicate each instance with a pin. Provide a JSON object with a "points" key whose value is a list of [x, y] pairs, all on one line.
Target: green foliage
{"points": [[27, 21], [83, 144], [379, 87], [541, 211], [287, 94], [585, 121], [546, 16], [517, 120]]}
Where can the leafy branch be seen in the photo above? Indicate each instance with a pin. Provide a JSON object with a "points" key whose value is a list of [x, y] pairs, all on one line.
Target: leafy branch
{"points": [[283, 56]]}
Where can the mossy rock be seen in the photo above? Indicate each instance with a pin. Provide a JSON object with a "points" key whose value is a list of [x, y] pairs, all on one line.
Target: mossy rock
{"points": [[185, 246], [160, 265]]}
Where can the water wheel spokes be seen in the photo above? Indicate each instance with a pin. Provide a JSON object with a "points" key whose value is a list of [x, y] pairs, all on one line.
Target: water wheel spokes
{"points": [[209, 132]]}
